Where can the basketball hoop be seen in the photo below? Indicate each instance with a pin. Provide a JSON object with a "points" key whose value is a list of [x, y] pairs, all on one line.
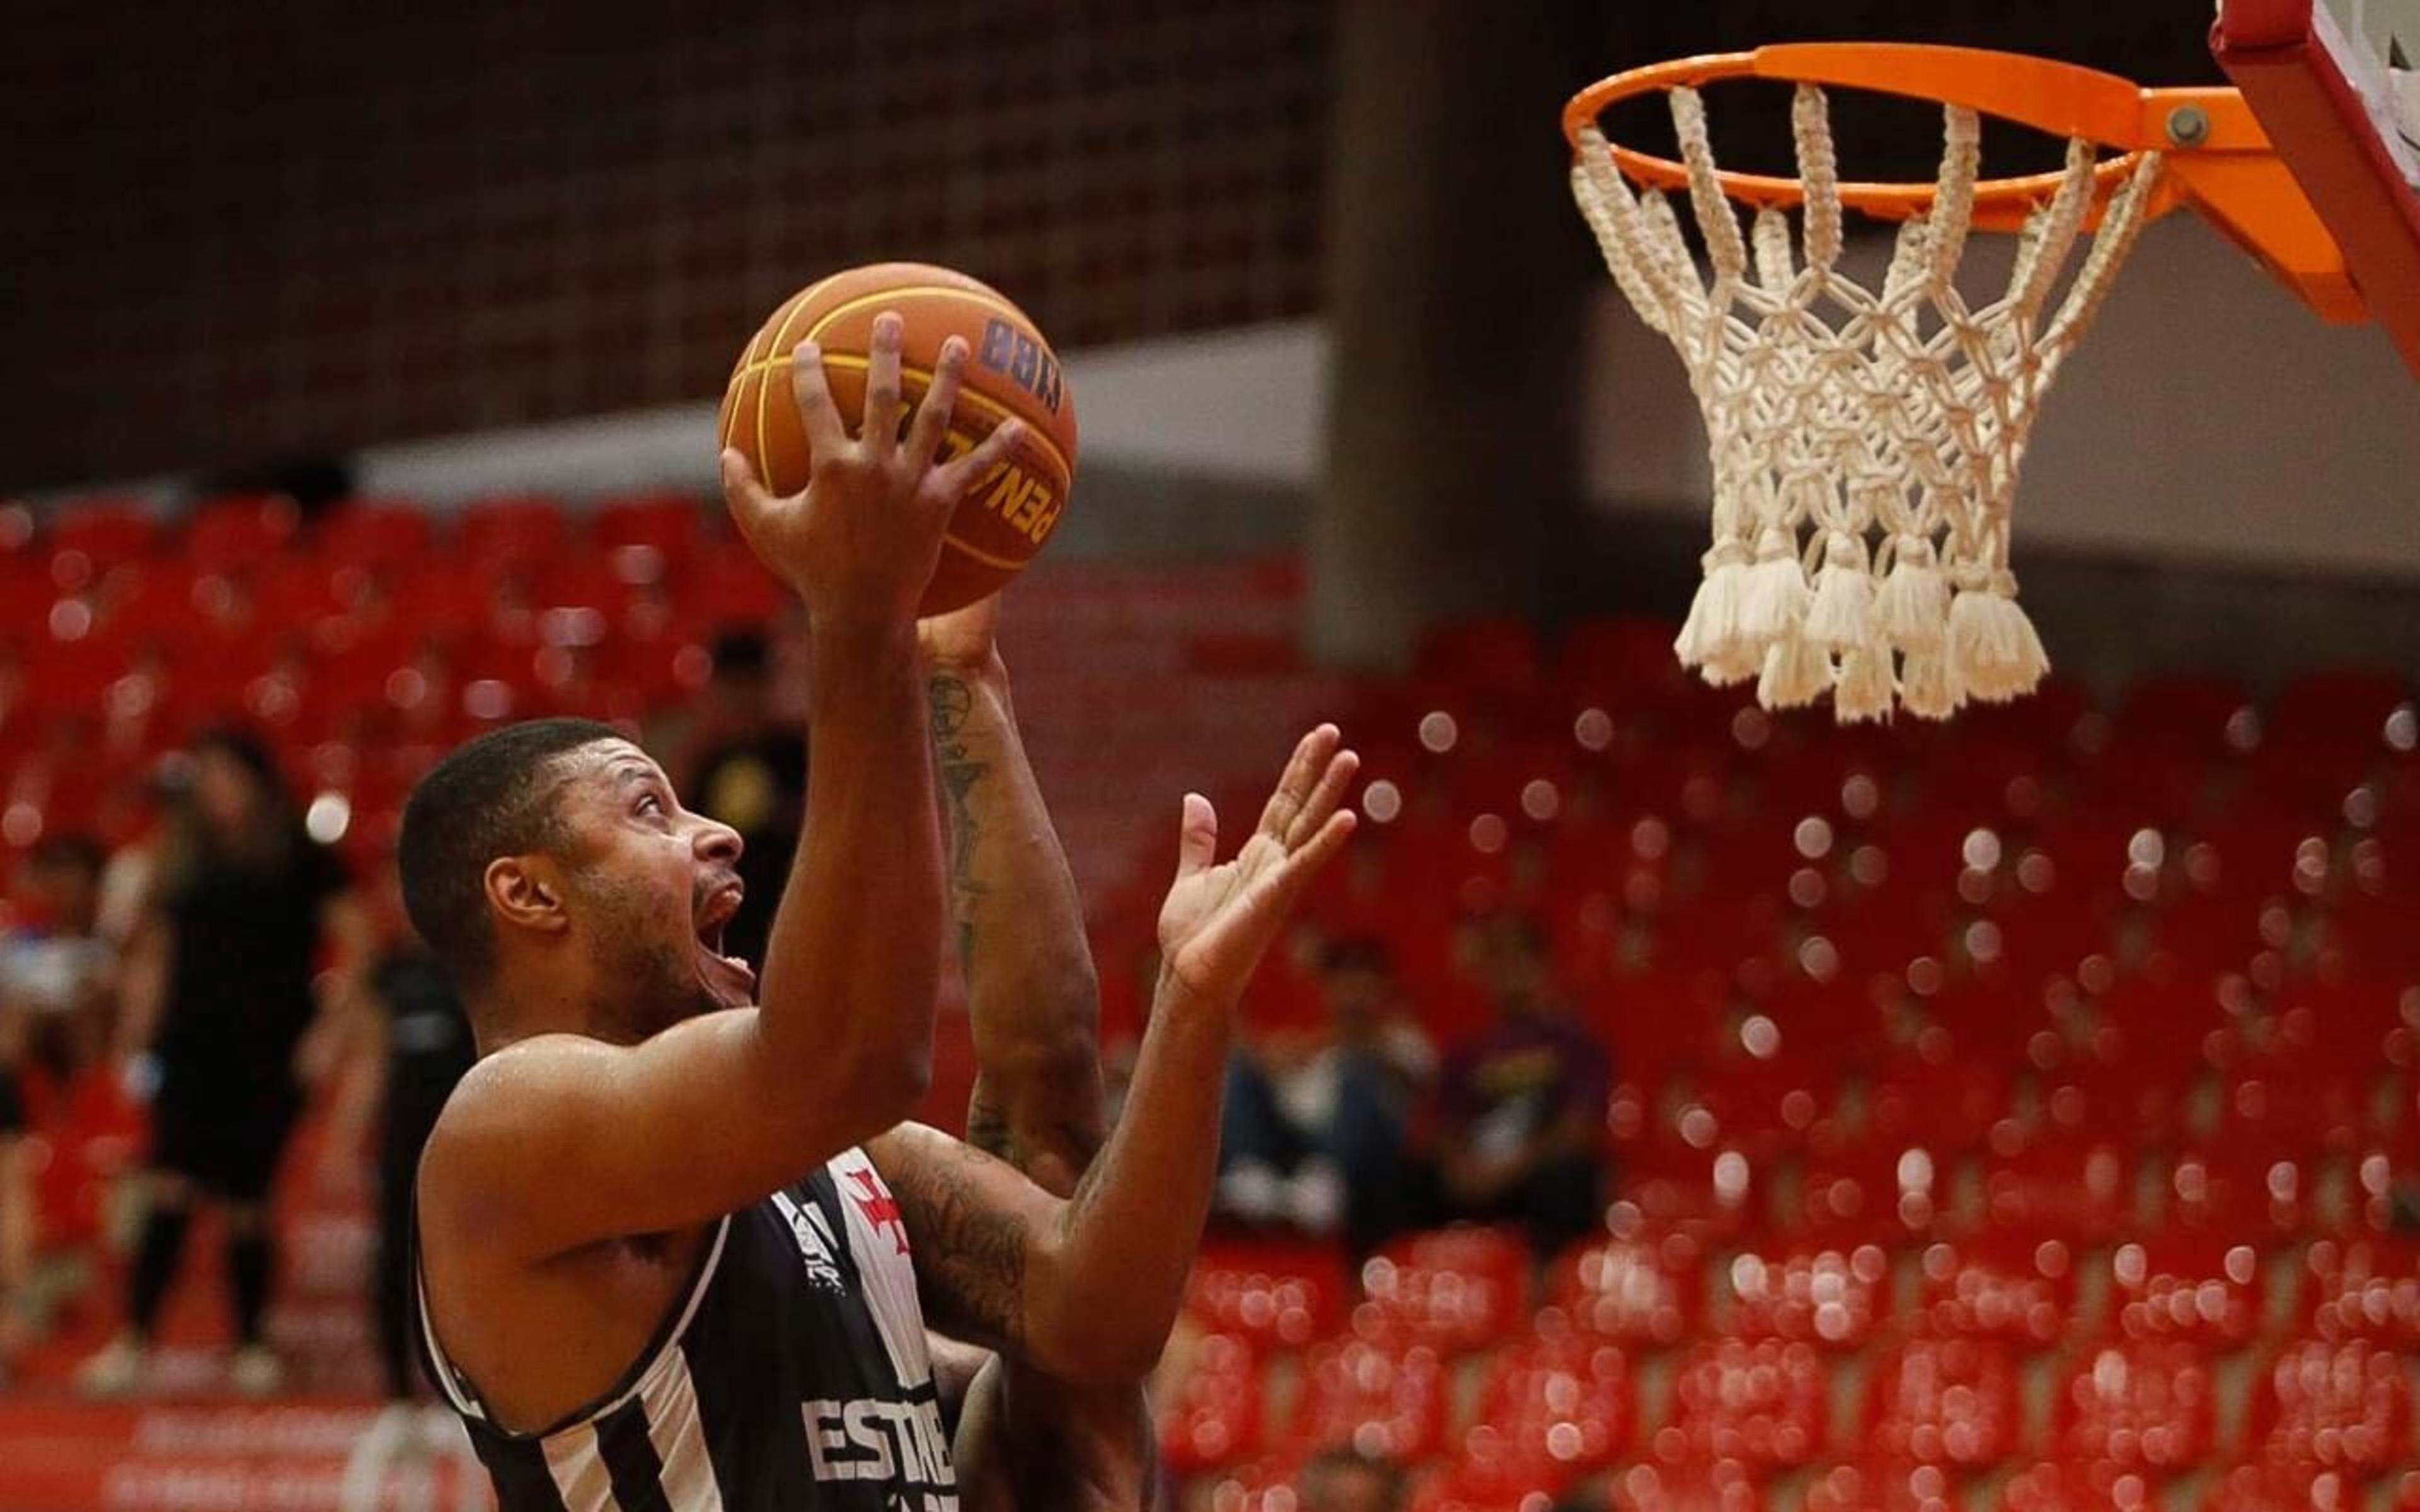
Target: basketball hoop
{"points": [[1866, 442]]}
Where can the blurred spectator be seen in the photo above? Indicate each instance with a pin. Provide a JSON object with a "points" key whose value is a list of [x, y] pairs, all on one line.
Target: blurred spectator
{"points": [[417, 1053], [56, 977], [219, 1015], [1525, 1101], [745, 764], [1315, 1122], [1346, 1480]]}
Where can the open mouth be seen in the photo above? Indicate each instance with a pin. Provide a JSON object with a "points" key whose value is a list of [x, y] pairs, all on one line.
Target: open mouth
{"points": [[732, 981]]}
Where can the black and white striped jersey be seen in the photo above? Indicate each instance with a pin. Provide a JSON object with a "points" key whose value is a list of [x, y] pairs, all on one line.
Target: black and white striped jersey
{"points": [[792, 1377]]}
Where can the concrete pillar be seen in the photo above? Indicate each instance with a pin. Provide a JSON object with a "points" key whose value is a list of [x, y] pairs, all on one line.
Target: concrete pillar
{"points": [[1457, 276]]}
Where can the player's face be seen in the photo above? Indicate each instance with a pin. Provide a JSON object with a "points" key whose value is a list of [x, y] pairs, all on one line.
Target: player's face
{"points": [[656, 885]]}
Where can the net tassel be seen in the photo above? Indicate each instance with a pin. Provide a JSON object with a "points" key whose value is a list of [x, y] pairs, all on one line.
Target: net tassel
{"points": [[1772, 595], [1842, 615], [1796, 673], [1913, 608], [1729, 667], [1713, 626], [1929, 684], [1865, 688], [1993, 650]]}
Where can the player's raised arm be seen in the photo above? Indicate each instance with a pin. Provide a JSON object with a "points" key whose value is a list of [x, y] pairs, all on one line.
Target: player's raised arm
{"points": [[1033, 1000], [1087, 1288], [668, 1115]]}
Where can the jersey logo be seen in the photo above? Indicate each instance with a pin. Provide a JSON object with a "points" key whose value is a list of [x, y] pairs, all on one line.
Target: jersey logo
{"points": [[812, 1231], [880, 1211]]}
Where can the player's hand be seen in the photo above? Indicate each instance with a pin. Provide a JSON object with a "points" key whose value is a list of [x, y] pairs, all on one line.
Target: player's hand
{"points": [[1218, 920], [964, 640], [859, 544]]}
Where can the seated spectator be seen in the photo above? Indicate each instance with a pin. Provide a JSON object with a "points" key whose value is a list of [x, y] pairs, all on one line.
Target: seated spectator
{"points": [[1314, 1123], [1347, 1480], [56, 976], [1525, 1101]]}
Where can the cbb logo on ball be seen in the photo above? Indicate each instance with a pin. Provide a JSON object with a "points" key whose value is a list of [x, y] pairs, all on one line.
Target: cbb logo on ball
{"points": [[1007, 350], [1011, 372]]}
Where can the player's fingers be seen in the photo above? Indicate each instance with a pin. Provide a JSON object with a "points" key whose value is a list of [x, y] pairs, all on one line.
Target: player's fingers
{"points": [[1311, 754], [931, 425], [1197, 835], [818, 415], [1324, 798], [880, 427], [742, 494], [1295, 872], [967, 473]]}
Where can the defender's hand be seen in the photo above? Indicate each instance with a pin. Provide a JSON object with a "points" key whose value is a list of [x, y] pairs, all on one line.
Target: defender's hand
{"points": [[1218, 921], [964, 640], [860, 542]]}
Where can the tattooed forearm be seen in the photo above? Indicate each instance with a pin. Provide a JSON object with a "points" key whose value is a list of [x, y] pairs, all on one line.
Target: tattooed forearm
{"points": [[970, 1253], [951, 703]]}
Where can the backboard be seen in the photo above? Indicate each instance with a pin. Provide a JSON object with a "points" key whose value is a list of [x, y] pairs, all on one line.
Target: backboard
{"points": [[2332, 82]]}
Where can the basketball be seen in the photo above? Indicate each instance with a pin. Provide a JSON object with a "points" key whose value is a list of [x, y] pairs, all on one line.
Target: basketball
{"points": [[1011, 370]]}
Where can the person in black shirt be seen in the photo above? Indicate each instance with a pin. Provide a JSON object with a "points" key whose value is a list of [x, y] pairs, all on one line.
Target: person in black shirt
{"points": [[221, 999], [746, 768]]}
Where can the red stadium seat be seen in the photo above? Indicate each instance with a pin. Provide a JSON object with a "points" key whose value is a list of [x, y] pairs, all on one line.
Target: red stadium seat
{"points": [[667, 525], [240, 533], [503, 534], [2367, 1288], [1831, 1297], [2204, 1290], [2342, 1406], [103, 532], [1762, 1404], [2084, 1188], [1883, 1487], [2283, 1488], [2147, 1406], [1950, 1401], [2011, 1288], [1459, 1289], [1561, 1406], [1879, 1187], [1631, 1292], [1725, 1485], [1213, 1415], [2084, 1487], [373, 534], [2188, 710], [1383, 1396], [1270, 1295]]}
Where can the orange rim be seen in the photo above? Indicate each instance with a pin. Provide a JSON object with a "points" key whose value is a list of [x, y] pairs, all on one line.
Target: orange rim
{"points": [[2060, 98]]}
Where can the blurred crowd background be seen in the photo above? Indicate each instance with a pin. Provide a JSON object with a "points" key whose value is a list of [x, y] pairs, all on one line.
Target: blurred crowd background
{"points": [[1668, 1104]]}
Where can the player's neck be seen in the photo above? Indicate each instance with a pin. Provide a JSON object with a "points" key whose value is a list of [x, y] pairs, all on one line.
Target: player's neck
{"points": [[552, 996]]}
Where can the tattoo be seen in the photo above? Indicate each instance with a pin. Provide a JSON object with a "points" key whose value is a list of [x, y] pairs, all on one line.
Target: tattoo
{"points": [[953, 703], [969, 1255], [987, 1130]]}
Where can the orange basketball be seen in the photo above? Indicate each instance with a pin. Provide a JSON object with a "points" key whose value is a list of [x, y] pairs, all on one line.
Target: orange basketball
{"points": [[1011, 370]]}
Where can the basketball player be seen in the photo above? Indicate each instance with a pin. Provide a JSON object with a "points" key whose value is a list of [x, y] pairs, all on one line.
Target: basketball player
{"points": [[678, 1247]]}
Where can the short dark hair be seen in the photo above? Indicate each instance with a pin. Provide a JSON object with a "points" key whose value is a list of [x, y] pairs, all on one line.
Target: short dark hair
{"points": [[488, 798]]}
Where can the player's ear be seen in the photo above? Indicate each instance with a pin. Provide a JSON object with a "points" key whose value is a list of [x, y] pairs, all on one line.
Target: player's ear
{"points": [[527, 890]]}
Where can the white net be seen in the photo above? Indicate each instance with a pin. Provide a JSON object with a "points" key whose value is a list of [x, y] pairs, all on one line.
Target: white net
{"points": [[1865, 443]]}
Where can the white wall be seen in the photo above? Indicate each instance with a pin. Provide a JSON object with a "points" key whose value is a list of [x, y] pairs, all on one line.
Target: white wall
{"points": [[1244, 403]]}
